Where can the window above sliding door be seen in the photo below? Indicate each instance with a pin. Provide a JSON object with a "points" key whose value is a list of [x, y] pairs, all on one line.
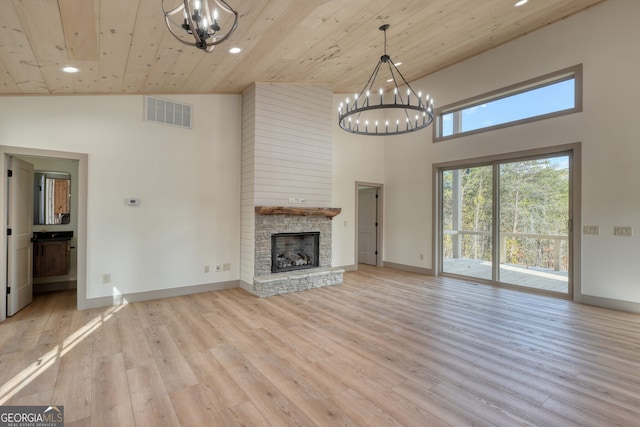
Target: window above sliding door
{"points": [[541, 98]]}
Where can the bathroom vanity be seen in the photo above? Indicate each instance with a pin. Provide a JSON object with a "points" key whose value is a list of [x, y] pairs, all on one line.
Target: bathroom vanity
{"points": [[51, 253]]}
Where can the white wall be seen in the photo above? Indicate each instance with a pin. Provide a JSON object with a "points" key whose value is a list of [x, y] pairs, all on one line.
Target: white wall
{"points": [[188, 182], [602, 38], [247, 219], [356, 158]]}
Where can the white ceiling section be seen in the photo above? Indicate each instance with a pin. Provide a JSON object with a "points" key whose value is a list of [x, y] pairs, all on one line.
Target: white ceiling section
{"points": [[123, 46]]}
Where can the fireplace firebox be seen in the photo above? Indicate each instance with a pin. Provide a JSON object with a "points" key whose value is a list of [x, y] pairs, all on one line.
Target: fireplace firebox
{"points": [[294, 251]]}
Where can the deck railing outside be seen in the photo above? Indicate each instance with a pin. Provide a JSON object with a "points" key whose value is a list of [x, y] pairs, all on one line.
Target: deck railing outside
{"points": [[557, 242]]}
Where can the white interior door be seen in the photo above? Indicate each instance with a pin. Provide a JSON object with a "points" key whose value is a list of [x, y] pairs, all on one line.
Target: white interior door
{"points": [[19, 246], [367, 225]]}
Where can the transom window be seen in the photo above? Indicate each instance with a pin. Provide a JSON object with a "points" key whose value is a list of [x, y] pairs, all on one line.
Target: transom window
{"points": [[547, 96]]}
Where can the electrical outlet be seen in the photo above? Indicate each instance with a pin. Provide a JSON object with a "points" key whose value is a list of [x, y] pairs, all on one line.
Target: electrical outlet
{"points": [[106, 278], [623, 231], [292, 200], [301, 200], [593, 230], [206, 268], [218, 268], [226, 267]]}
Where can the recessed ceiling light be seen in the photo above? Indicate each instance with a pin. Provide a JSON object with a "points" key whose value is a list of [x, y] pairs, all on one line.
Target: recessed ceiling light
{"points": [[521, 3], [70, 69], [235, 50]]}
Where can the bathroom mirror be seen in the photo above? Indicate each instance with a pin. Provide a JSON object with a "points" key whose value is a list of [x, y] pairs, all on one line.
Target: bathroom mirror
{"points": [[51, 198]]}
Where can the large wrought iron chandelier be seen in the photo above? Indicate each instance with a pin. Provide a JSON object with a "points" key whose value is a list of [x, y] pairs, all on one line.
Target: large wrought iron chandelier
{"points": [[394, 112], [201, 22]]}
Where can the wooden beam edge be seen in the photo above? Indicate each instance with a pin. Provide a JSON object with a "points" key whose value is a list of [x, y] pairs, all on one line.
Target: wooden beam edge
{"points": [[286, 210]]}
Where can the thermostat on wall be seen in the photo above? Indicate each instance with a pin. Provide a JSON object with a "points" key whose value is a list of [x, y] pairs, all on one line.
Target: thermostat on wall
{"points": [[132, 202]]}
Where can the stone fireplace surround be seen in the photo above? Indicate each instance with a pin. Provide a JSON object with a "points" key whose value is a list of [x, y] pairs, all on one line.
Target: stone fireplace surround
{"points": [[275, 219]]}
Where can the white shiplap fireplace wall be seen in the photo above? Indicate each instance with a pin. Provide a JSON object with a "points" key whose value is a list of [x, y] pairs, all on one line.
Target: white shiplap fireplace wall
{"points": [[286, 155]]}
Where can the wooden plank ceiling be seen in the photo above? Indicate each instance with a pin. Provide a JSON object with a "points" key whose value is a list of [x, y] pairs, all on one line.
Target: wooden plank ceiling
{"points": [[123, 46]]}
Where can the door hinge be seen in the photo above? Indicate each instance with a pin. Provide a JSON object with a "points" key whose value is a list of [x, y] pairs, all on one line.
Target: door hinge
{"points": [[376, 195], [376, 253], [8, 232], [376, 224], [8, 290], [9, 173]]}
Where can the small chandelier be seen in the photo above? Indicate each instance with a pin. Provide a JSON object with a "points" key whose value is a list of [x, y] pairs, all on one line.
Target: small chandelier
{"points": [[401, 115], [200, 25]]}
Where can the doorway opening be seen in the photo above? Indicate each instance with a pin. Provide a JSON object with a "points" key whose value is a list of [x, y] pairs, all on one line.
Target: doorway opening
{"points": [[369, 224], [509, 220], [79, 199]]}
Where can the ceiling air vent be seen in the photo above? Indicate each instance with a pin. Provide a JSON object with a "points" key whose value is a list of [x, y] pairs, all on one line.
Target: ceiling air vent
{"points": [[167, 112]]}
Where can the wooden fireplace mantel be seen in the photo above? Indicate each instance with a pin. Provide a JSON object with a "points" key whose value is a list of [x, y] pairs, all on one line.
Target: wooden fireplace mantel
{"points": [[286, 210]]}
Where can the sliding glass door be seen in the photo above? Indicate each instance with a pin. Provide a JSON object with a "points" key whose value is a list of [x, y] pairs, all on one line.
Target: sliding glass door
{"points": [[508, 222], [534, 219], [467, 222]]}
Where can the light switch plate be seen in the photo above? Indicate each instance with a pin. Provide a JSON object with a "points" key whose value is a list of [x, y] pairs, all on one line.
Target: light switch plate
{"points": [[623, 231], [591, 229]]}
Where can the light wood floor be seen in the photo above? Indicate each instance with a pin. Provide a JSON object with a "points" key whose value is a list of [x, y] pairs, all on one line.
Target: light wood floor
{"points": [[386, 348]]}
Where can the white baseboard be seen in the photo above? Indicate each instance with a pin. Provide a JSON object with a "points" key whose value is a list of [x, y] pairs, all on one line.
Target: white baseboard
{"points": [[614, 304], [150, 295], [409, 268]]}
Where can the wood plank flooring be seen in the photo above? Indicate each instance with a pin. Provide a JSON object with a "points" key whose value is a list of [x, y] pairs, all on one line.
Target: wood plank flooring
{"points": [[386, 348]]}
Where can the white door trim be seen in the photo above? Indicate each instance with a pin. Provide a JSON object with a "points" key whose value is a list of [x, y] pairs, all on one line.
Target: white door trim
{"points": [[81, 240]]}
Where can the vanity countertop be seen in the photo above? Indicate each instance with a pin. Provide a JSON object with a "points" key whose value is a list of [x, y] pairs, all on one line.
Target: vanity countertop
{"points": [[52, 235]]}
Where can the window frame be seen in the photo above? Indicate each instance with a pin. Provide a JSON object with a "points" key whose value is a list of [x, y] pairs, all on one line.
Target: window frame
{"points": [[574, 72]]}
